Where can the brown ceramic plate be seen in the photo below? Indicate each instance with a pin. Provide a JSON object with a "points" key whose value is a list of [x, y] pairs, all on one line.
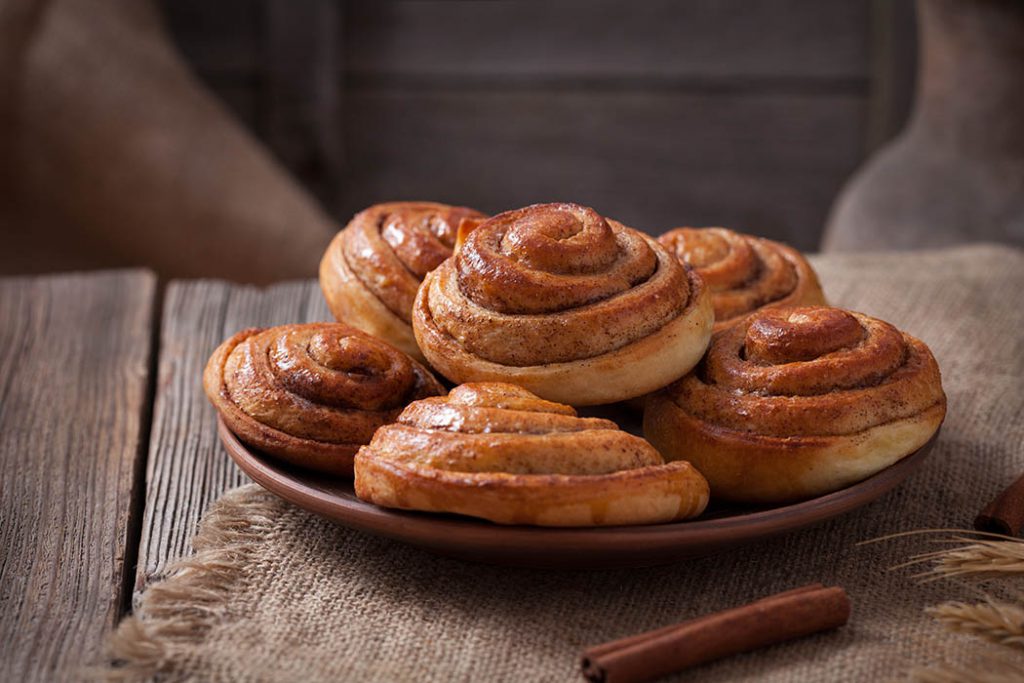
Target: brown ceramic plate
{"points": [[625, 546]]}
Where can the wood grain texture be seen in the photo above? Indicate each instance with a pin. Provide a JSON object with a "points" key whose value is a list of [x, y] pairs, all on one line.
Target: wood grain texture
{"points": [[302, 116], [736, 112], [893, 71], [187, 468], [767, 164], [223, 38], [777, 39], [74, 369]]}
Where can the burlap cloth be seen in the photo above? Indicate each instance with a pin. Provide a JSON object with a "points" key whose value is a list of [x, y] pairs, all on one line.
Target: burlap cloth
{"points": [[276, 594]]}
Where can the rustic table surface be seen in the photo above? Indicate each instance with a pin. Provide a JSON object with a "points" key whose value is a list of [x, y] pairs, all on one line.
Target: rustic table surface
{"points": [[108, 449]]}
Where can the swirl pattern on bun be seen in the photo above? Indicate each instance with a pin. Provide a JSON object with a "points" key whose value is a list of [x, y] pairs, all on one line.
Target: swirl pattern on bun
{"points": [[312, 394], [575, 307], [498, 452], [793, 403], [373, 268], [745, 273]]}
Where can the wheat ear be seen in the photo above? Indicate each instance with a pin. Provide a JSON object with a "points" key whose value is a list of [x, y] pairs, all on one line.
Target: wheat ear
{"points": [[971, 557], [998, 622]]}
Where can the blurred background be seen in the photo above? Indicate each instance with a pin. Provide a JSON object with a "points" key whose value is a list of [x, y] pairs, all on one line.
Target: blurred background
{"points": [[748, 113], [233, 138]]}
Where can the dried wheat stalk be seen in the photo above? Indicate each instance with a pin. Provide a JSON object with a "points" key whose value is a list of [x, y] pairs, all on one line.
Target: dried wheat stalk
{"points": [[975, 558], [998, 622], [975, 554]]}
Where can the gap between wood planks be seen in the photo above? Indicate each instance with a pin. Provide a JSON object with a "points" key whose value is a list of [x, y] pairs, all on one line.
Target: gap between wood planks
{"points": [[133, 537]]}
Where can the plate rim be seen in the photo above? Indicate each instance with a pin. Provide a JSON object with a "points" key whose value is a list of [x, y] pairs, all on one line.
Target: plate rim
{"points": [[403, 524]]}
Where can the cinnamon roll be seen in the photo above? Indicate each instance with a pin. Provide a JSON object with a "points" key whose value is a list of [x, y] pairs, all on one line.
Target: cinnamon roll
{"points": [[575, 307], [498, 452], [312, 394], [796, 402], [745, 273], [372, 269]]}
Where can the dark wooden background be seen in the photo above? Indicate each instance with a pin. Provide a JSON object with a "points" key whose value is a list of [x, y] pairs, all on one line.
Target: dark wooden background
{"points": [[745, 113]]}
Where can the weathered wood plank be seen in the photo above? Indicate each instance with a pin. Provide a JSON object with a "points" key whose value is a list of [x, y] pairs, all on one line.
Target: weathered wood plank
{"points": [[744, 113], [74, 390], [893, 38], [187, 469], [778, 39], [224, 44], [222, 39], [767, 163], [610, 38], [302, 120]]}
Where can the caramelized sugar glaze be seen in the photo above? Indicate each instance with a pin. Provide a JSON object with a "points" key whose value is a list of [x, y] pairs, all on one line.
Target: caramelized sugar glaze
{"points": [[373, 268], [744, 273], [499, 452], [796, 402], [312, 394], [575, 307]]}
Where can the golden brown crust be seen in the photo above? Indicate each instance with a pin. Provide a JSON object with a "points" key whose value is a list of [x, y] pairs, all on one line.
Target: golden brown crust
{"points": [[745, 273], [577, 308], [796, 402], [312, 394], [372, 269], [498, 452]]}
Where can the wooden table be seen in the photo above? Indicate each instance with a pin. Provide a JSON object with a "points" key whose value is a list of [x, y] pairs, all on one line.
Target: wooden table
{"points": [[108, 450], [108, 447]]}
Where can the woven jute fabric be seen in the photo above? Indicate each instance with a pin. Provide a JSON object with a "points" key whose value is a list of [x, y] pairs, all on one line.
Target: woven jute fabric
{"points": [[276, 594]]}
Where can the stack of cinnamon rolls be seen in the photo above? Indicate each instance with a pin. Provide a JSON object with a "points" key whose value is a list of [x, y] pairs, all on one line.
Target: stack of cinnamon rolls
{"points": [[753, 389]]}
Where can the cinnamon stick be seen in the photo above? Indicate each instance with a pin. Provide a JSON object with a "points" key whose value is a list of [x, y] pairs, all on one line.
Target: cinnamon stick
{"points": [[1005, 514], [767, 621]]}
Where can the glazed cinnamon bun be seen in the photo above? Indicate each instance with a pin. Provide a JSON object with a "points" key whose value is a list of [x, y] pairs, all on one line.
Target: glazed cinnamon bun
{"points": [[372, 269], [312, 394], [575, 307], [498, 452], [796, 402], [745, 273]]}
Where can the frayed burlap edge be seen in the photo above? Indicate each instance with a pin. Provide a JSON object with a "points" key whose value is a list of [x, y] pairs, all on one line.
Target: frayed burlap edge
{"points": [[176, 614]]}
